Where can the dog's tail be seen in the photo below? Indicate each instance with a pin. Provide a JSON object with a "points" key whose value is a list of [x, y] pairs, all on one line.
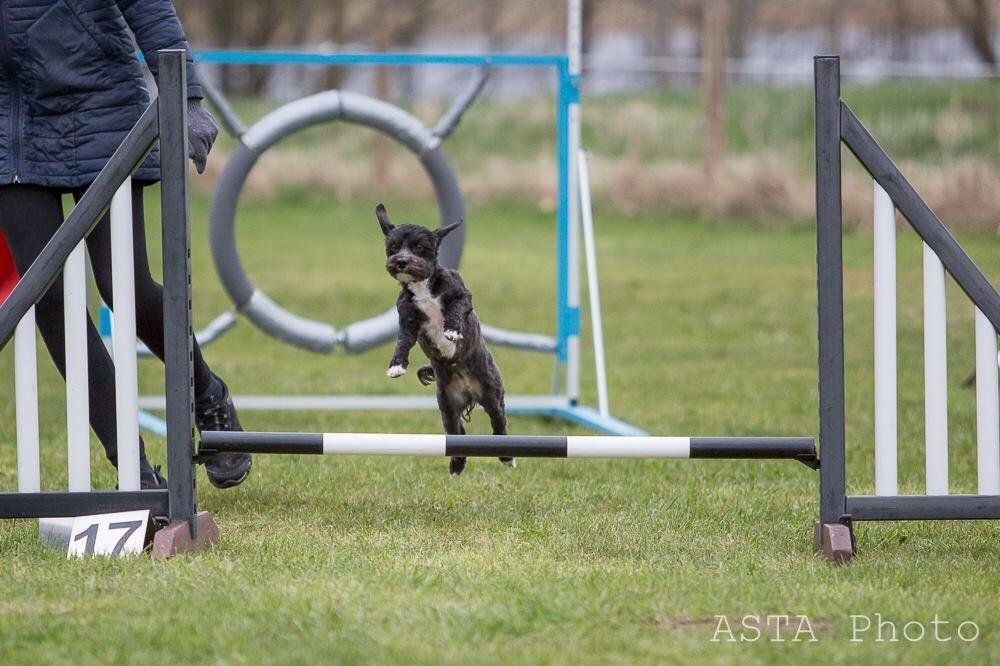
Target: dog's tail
{"points": [[426, 375]]}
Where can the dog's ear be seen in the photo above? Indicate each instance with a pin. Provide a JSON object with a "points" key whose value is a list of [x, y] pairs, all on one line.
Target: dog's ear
{"points": [[383, 219], [444, 231]]}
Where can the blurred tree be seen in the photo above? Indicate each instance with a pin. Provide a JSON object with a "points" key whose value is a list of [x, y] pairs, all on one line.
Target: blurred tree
{"points": [[491, 13], [713, 79], [381, 23], [588, 11], [232, 24], [659, 30], [411, 20], [741, 26], [834, 23], [899, 30], [975, 18], [335, 31], [491, 25], [395, 25]]}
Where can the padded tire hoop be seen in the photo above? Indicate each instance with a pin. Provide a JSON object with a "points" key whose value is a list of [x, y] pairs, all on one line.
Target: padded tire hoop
{"points": [[324, 107]]}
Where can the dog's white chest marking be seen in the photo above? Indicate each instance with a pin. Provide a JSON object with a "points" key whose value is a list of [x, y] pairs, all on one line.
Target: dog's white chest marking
{"points": [[431, 307]]}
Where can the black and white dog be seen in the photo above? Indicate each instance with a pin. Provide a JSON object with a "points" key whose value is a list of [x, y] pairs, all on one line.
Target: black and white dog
{"points": [[435, 310]]}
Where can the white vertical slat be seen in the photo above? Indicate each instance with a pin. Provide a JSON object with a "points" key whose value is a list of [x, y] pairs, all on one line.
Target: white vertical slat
{"points": [[593, 287], [123, 335], [987, 407], [935, 375], [885, 343], [26, 405], [77, 396]]}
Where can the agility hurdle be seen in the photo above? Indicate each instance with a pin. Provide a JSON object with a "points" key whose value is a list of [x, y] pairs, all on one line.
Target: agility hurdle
{"points": [[836, 124], [163, 123], [519, 446], [165, 120]]}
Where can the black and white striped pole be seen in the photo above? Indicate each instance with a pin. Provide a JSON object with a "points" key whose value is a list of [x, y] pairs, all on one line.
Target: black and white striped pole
{"points": [[571, 446]]}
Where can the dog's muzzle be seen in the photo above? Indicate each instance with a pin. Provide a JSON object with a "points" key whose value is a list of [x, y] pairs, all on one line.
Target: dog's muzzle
{"points": [[406, 268]]}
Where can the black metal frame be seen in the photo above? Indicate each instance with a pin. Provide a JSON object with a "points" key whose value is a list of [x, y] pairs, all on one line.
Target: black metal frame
{"points": [[164, 121], [836, 123]]}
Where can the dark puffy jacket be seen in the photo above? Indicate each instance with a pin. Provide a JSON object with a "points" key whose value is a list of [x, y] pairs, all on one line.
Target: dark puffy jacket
{"points": [[71, 85]]}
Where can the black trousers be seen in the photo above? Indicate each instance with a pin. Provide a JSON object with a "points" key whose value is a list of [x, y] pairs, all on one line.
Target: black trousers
{"points": [[29, 216]]}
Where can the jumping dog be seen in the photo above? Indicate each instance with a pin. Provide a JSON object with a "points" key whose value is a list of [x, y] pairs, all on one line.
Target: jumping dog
{"points": [[435, 311]]}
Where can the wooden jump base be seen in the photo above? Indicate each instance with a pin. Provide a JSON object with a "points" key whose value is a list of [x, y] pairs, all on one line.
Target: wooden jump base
{"points": [[520, 446]]}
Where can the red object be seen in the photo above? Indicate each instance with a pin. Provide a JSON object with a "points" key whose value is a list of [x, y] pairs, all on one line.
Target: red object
{"points": [[8, 273]]}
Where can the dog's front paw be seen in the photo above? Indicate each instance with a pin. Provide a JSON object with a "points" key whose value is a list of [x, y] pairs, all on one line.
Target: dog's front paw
{"points": [[395, 371], [509, 462], [453, 336]]}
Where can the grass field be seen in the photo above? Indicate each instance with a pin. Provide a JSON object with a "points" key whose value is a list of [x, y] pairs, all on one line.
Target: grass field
{"points": [[366, 560]]}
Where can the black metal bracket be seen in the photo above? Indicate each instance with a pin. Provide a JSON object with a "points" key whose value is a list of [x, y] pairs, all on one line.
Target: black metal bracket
{"points": [[811, 461]]}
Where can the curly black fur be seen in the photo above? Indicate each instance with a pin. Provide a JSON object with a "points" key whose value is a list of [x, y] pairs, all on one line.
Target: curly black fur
{"points": [[435, 311]]}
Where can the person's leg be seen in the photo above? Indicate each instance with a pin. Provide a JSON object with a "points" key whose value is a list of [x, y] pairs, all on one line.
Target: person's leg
{"points": [[29, 216], [214, 408], [148, 292]]}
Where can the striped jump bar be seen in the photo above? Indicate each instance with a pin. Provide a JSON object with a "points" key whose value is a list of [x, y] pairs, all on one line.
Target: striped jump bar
{"points": [[572, 446]]}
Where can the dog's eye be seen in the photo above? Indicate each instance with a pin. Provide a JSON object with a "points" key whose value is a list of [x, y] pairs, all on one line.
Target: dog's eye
{"points": [[393, 249]]}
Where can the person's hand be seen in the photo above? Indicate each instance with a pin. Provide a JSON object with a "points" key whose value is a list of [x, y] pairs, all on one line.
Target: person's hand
{"points": [[202, 131]]}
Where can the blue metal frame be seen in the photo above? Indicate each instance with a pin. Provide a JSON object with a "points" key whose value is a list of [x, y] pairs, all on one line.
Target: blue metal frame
{"points": [[587, 417], [567, 94], [568, 323]]}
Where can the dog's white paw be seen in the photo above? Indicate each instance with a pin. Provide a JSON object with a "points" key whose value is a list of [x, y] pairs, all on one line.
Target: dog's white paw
{"points": [[453, 336], [509, 462], [395, 371]]}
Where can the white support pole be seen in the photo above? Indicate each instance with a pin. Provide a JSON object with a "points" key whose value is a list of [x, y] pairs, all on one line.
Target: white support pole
{"points": [[987, 407], [123, 336], [26, 405], [935, 375], [593, 287], [885, 343], [574, 45], [77, 396]]}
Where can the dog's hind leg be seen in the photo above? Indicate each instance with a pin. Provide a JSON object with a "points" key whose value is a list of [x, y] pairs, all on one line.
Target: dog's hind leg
{"points": [[451, 418], [426, 375], [457, 464], [494, 408]]}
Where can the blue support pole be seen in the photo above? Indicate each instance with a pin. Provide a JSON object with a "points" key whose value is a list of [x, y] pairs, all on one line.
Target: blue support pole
{"points": [[236, 57], [563, 318]]}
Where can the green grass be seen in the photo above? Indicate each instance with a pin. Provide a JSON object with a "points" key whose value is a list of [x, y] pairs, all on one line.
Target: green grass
{"points": [[366, 560], [914, 119]]}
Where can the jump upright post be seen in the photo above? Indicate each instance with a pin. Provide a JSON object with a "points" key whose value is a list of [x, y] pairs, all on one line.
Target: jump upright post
{"points": [[836, 124]]}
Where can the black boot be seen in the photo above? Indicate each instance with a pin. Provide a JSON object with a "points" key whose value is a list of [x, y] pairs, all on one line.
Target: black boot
{"points": [[150, 477], [214, 411]]}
